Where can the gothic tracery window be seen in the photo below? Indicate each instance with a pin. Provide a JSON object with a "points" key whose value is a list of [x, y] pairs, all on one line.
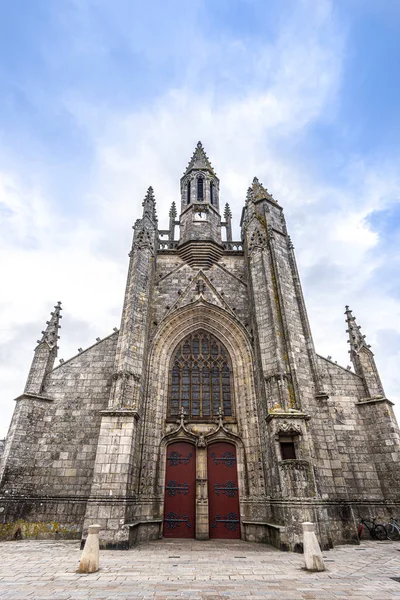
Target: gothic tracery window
{"points": [[200, 378], [212, 192], [188, 193]]}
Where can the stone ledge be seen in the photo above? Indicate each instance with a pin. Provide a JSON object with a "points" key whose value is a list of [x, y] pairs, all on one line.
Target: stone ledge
{"points": [[28, 396], [144, 522], [287, 415], [265, 524], [120, 412], [373, 400], [322, 395]]}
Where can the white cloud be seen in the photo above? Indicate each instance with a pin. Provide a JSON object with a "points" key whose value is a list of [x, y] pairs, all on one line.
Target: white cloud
{"points": [[295, 82]]}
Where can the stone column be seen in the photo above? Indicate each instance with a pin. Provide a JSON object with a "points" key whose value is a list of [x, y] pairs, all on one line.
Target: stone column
{"points": [[202, 532]]}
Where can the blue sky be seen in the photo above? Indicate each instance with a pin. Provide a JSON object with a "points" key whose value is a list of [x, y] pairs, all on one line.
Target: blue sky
{"points": [[99, 100]]}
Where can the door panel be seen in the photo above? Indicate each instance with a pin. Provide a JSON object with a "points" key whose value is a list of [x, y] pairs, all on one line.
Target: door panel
{"points": [[180, 492], [223, 492]]}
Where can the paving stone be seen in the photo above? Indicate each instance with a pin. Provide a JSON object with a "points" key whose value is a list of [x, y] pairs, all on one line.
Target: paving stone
{"points": [[45, 571]]}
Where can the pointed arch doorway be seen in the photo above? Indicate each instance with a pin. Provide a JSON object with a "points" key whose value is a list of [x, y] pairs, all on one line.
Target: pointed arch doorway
{"points": [[201, 496]]}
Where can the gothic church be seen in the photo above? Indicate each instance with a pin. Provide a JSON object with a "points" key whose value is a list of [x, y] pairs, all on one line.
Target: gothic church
{"points": [[208, 414]]}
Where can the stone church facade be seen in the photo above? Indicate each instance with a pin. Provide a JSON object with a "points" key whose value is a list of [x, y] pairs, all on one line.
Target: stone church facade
{"points": [[208, 414]]}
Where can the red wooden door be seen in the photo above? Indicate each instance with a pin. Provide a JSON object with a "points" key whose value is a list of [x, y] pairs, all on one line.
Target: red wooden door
{"points": [[180, 492], [223, 493]]}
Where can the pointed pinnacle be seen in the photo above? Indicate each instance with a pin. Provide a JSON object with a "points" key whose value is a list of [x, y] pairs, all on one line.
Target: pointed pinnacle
{"points": [[172, 211], [149, 204], [227, 212], [49, 335], [260, 192], [249, 195], [356, 338], [199, 161]]}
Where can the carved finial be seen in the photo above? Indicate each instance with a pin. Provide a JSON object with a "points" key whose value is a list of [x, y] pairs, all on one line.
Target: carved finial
{"points": [[149, 205], [227, 212], [182, 415], [172, 211], [50, 334], [220, 419]]}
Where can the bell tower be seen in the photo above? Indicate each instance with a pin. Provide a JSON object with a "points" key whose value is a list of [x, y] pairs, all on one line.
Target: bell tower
{"points": [[200, 242]]}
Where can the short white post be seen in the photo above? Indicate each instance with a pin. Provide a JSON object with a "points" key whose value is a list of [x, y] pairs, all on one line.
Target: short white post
{"points": [[90, 556], [312, 551]]}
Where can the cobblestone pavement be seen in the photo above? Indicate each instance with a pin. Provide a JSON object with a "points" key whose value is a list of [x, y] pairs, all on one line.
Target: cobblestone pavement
{"points": [[197, 570]]}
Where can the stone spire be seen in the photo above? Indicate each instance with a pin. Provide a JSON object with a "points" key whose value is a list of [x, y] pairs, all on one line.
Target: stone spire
{"points": [[363, 358], [259, 192], [45, 353], [199, 161], [149, 205]]}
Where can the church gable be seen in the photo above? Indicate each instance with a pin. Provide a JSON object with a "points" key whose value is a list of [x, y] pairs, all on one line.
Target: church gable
{"points": [[199, 289]]}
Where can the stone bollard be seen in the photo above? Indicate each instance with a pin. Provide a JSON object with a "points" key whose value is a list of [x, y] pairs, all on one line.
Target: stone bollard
{"points": [[312, 551], [89, 562]]}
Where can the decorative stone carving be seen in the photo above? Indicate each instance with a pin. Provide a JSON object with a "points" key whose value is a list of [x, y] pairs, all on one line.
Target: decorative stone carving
{"points": [[287, 428], [125, 375], [257, 240]]}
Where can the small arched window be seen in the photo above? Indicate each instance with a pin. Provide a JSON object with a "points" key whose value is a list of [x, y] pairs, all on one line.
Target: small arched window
{"points": [[188, 193], [212, 192], [200, 189], [200, 378]]}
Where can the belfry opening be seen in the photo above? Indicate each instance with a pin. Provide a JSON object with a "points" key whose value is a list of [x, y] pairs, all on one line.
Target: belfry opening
{"points": [[208, 413]]}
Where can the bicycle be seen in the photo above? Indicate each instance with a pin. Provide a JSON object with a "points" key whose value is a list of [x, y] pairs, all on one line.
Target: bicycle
{"points": [[393, 529], [376, 530]]}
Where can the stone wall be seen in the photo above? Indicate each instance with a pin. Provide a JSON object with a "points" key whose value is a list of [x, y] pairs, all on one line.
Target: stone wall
{"points": [[53, 442]]}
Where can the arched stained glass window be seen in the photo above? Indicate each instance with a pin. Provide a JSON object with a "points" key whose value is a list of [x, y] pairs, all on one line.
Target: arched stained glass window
{"points": [[200, 379]]}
